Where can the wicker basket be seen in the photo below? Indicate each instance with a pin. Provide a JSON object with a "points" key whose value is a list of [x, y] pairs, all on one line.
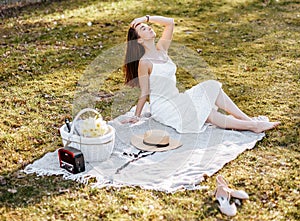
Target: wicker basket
{"points": [[93, 148]]}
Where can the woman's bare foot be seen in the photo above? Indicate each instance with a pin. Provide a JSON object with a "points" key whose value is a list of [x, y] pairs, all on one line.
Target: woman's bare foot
{"points": [[264, 125]]}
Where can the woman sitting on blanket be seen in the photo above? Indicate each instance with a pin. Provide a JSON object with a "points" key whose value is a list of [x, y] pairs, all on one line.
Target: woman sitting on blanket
{"points": [[148, 66]]}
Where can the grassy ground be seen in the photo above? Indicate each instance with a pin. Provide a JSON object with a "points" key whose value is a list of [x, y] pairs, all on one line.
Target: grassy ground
{"points": [[252, 47]]}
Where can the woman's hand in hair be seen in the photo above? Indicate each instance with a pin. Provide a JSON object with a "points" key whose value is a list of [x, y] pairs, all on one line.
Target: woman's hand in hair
{"points": [[137, 21]]}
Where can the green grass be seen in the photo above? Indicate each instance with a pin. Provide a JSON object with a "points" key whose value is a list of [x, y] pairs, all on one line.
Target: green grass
{"points": [[251, 47]]}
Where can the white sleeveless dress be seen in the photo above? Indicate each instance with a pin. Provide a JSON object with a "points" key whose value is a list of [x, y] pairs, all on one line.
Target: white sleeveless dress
{"points": [[186, 112]]}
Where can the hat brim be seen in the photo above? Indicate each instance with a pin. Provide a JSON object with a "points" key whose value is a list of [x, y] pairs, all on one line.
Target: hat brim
{"points": [[137, 141]]}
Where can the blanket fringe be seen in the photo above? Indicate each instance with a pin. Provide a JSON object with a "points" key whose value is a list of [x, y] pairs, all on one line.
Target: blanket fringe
{"points": [[84, 179]]}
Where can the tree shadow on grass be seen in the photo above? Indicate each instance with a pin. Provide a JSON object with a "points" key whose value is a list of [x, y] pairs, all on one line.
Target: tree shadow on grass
{"points": [[17, 9], [25, 190]]}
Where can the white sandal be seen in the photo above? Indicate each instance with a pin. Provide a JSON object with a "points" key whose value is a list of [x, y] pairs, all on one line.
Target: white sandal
{"points": [[223, 198], [240, 194]]}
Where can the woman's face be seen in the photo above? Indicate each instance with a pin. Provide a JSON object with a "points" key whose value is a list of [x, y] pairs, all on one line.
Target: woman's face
{"points": [[145, 31]]}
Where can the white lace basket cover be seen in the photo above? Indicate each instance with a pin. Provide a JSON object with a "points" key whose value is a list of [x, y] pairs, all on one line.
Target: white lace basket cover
{"points": [[93, 148]]}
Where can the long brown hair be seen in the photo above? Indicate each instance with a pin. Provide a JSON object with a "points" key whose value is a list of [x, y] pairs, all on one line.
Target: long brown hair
{"points": [[134, 52]]}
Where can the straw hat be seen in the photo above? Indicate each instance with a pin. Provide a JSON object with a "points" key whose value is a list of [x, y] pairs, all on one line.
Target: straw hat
{"points": [[155, 140]]}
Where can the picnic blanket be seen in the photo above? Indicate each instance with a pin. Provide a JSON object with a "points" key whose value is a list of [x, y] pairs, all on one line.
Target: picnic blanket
{"points": [[202, 154]]}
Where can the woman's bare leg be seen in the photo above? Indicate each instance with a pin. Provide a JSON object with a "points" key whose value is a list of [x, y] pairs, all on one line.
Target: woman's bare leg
{"points": [[225, 121], [225, 103]]}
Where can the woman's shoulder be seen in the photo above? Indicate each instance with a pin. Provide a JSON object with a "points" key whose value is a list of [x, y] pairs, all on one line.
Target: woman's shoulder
{"points": [[145, 62], [145, 66]]}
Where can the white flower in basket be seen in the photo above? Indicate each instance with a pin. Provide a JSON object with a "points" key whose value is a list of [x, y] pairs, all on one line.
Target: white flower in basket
{"points": [[93, 126]]}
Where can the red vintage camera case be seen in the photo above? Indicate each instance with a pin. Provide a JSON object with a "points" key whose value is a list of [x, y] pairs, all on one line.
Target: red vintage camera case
{"points": [[71, 159]]}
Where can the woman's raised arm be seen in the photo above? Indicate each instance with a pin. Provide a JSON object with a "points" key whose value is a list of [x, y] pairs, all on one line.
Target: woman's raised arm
{"points": [[168, 23], [166, 38]]}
